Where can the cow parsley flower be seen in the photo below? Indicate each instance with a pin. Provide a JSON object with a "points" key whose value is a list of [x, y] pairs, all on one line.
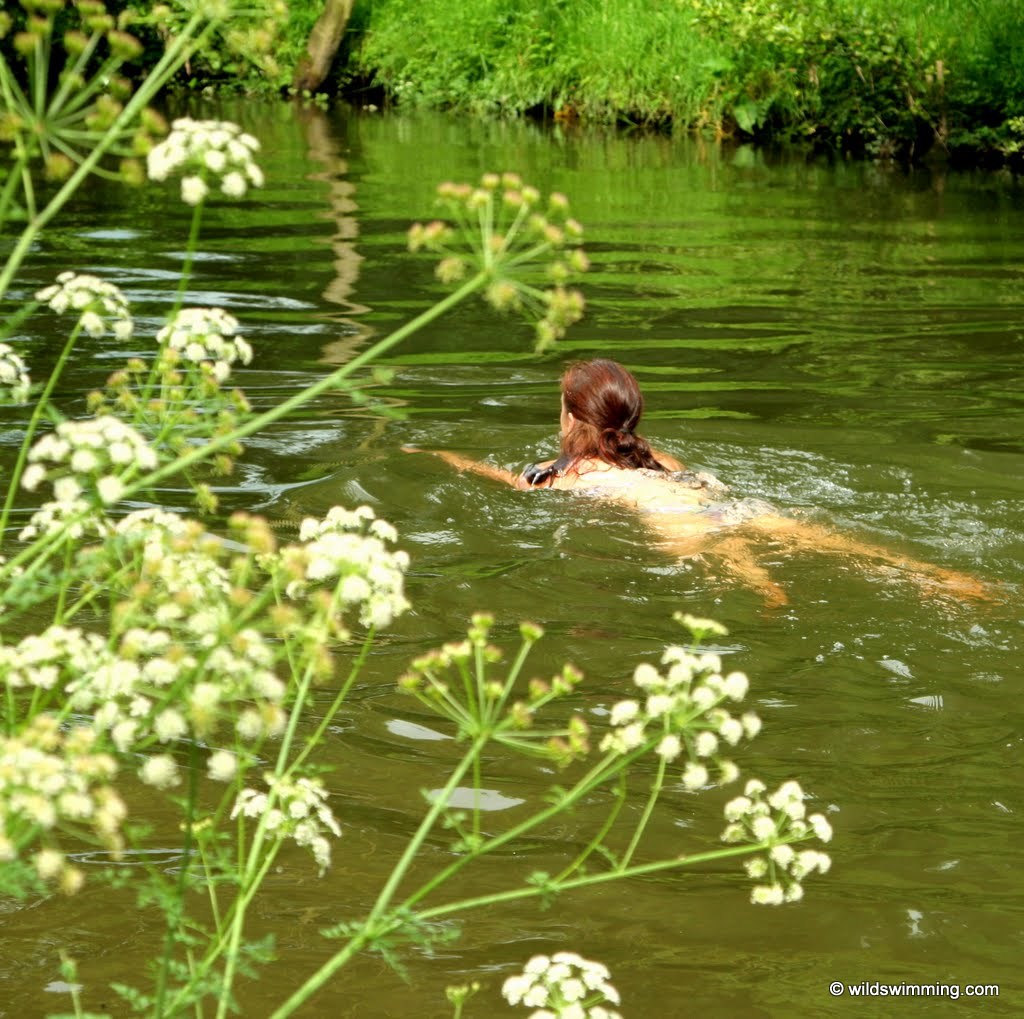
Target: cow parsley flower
{"points": [[295, 809], [100, 306], [205, 336], [73, 518], [14, 379], [97, 453], [222, 765], [52, 778], [350, 546], [563, 986], [681, 713], [208, 153], [777, 819], [193, 190], [160, 771]]}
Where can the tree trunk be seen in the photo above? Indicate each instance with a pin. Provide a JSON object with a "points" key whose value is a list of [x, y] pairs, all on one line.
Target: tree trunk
{"points": [[324, 40]]}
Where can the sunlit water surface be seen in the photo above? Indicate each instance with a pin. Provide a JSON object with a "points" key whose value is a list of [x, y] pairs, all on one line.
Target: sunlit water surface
{"points": [[844, 339]]}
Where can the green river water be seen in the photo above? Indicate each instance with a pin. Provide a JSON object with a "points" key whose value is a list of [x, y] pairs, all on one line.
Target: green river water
{"points": [[845, 339]]}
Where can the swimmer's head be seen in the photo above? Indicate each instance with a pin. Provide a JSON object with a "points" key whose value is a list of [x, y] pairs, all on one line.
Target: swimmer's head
{"points": [[601, 409]]}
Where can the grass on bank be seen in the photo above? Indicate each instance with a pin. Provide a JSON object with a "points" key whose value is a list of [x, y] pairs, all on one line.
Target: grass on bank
{"points": [[875, 76]]}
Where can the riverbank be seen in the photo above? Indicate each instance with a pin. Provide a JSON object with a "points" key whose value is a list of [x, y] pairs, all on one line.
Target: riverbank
{"points": [[879, 78]]}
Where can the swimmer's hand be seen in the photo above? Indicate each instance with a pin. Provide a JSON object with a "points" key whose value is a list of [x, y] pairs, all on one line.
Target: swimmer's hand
{"points": [[538, 474]]}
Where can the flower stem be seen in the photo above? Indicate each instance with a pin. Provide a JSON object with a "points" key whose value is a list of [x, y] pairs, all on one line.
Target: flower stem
{"points": [[41, 406], [174, 916], [174, 56], [652, 799], [303, 397], [190, 254], [587, 880], [380, 907]]}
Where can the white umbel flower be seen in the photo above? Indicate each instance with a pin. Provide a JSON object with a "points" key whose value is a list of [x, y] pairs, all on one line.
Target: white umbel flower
{"points": [[209, 154], [100, 306]]}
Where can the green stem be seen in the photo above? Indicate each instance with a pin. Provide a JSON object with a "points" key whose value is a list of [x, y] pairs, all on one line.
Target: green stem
{"points": [[71, 75], [39, 60], [76, 108], [186, 267], [303, 397], [380, 907], [587, 880], [7, 195], [211, 891], [591, 846], [339, 699], [609, 766], [24, 157], [219, 946], [41, 405], [652, 799], [175, 916], [510, 680], [253, 872], [174, 56], [65, 583]]}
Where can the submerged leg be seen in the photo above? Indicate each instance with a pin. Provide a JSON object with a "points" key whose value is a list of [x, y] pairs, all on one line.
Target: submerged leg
{"points": [[733, 553], [738, 558], [804, 536]]}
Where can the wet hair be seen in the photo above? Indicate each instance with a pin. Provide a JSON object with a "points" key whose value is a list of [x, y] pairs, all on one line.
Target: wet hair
{"points": [[606, 402]]}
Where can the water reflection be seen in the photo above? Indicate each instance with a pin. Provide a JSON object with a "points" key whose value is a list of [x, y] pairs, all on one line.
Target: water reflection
{"points": [[324, 148]]}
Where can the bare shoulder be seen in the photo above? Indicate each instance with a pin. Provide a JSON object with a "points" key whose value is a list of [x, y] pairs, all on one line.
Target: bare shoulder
{"points": [[670, 463]]}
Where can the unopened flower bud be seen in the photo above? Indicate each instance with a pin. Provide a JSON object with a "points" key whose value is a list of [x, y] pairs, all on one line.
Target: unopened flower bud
{"points": [[153, 121], [502, 296], [538, 689], [554, 235], [123, 45], [450, 270], [133, 172], [578, 260], [25, 43], [100, 23], [75, 42], [530, 632], [558, 203], [531, 196], [58, 167]]}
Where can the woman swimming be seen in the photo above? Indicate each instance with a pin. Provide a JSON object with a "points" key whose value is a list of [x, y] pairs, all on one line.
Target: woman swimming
{"points": [[688, 513]]}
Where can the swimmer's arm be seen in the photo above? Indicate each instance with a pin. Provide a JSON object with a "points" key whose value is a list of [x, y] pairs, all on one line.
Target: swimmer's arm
{"points": [[464, 463]]}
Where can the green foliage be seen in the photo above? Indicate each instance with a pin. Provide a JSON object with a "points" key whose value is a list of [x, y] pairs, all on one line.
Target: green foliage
{"points": [[884, 78], [851, 75]]}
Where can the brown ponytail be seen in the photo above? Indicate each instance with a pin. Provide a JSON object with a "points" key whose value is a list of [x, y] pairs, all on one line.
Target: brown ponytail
{"points": [[606, 402]]}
